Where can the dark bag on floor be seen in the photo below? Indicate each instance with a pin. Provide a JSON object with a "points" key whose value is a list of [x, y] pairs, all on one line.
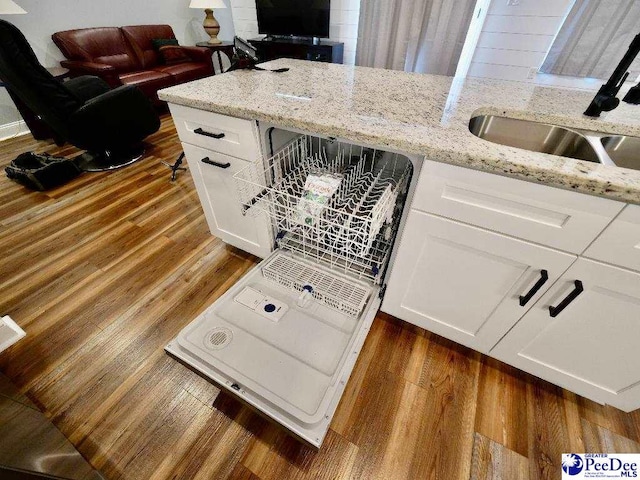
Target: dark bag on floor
{"points": [[41, 171]]}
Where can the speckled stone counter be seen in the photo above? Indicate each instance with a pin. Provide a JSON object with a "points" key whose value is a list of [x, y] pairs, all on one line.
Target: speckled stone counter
{"points": [[422, 114]]}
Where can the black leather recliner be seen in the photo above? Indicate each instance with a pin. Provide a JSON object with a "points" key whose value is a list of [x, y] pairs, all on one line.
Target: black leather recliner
{"points": [[84, 111]]}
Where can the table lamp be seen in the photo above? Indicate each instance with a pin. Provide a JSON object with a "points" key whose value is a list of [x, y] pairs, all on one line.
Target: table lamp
{"points": [[7, 7], [210, 24]]}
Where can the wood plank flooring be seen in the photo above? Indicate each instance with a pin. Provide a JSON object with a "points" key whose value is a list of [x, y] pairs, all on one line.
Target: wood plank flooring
{"points": [[104, 271]]}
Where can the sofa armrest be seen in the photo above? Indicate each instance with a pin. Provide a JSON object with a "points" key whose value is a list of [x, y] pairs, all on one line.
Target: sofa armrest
{"points": [[199, 54], [102, 70], [115, 119]]}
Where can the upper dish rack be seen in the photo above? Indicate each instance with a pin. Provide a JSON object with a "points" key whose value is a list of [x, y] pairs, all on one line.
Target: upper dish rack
{"points": [[358, 218]]}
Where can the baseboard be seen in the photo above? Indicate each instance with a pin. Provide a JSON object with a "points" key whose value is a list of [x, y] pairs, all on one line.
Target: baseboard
{"points": [[13, 129]]}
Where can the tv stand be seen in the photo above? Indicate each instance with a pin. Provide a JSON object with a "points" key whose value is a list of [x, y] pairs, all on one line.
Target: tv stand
{"points": [[303, 48]]}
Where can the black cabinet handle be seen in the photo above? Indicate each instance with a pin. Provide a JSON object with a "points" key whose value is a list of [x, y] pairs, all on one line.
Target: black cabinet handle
{"points": [[577, 290], [200, 131], [208, 161], [524, 299]]}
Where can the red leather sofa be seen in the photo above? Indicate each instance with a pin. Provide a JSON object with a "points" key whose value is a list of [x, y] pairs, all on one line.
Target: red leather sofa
{"points": [[127, 56]]}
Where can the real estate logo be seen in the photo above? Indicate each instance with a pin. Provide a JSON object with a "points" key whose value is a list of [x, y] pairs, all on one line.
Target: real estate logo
{"points": [[600, 465], [572, 464]]}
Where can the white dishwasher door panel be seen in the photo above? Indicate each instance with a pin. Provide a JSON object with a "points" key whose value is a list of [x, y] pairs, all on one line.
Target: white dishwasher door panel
{"points": [[293, 366]]}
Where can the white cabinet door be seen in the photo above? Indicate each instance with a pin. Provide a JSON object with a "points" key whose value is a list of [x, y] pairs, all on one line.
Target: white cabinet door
{"points": [[465, 283], [213, 175], [620, 242], [591, 346]]}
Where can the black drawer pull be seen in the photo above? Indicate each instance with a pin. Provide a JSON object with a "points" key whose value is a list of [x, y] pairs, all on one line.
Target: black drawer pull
{"points": [[208, 161], [524, 299], [578, 289], [200, 131]]}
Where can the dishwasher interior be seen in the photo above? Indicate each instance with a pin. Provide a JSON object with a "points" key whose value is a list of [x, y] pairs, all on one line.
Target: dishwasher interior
{"points": [[355, 231], [286, 336]]}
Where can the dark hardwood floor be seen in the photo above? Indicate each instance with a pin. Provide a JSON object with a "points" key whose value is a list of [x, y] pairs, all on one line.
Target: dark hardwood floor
{"points": [[104, 271]]}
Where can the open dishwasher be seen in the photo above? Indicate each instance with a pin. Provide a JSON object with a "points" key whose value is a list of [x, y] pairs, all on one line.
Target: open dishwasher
{"points": [[285, 337]]}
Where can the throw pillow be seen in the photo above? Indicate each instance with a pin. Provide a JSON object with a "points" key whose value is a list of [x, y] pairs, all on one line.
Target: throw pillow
{"points": [[158, 43], [161, 42], [172, 54]]}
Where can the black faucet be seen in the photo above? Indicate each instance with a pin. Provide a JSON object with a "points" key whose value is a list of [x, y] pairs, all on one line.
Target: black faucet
{"points": [[606, 100]]}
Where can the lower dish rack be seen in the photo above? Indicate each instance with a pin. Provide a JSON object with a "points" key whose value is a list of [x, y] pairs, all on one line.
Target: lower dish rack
{"points": [[355, 229]]}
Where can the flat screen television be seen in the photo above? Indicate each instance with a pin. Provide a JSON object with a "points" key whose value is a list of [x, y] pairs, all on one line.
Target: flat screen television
{"points": [[300, 18]]}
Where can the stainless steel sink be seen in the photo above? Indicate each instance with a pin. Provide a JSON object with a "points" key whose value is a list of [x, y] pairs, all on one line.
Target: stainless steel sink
{"points": [[533, 136], [613, 150], [624, 151]]}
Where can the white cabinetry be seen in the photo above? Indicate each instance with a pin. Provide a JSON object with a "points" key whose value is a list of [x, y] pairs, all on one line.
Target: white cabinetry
{"points": [[465, 283], [581, 327], [620, 242], [216, 147], [561, 219], [219, 133], [213, 176], [591, 346]]}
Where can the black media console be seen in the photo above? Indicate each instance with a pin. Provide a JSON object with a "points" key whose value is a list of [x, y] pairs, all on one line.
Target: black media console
{"points": [[319, 50]]}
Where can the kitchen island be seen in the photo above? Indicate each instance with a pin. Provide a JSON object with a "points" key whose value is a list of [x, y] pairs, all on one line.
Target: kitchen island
{"points": [[517, 254]]}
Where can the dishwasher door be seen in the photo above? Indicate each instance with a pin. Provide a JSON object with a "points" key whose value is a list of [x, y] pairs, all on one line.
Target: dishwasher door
{"points": [[290, 362]]}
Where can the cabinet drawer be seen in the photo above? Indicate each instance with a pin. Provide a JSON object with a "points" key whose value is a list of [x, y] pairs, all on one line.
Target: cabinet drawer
{"points": [[620, 242], [550, 216], [219, 133], [213, 176]]}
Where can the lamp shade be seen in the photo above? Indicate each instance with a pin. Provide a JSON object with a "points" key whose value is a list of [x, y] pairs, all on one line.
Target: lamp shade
{"points": [[207, 4], [7, 7]]}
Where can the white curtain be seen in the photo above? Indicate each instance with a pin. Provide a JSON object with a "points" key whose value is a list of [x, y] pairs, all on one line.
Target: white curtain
{"points": [[594, 38], [423, 36]]}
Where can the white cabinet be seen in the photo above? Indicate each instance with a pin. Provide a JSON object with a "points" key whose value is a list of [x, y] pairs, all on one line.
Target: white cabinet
{"points": [[216, 147], [579, 330], [213, 176], [591, 346], [620, 242], [465, 283]]}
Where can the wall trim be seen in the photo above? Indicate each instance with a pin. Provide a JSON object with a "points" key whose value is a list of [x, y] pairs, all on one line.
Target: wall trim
{"points": [[13, 129]]}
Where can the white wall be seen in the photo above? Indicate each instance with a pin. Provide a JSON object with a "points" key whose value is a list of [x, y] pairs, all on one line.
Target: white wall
{"points": [[473, 35], [45, 17], [516, 38], [343, 26]]}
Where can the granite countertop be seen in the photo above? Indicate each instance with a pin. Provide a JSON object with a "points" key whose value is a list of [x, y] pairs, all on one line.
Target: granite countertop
{"points": [[421, 114]]}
